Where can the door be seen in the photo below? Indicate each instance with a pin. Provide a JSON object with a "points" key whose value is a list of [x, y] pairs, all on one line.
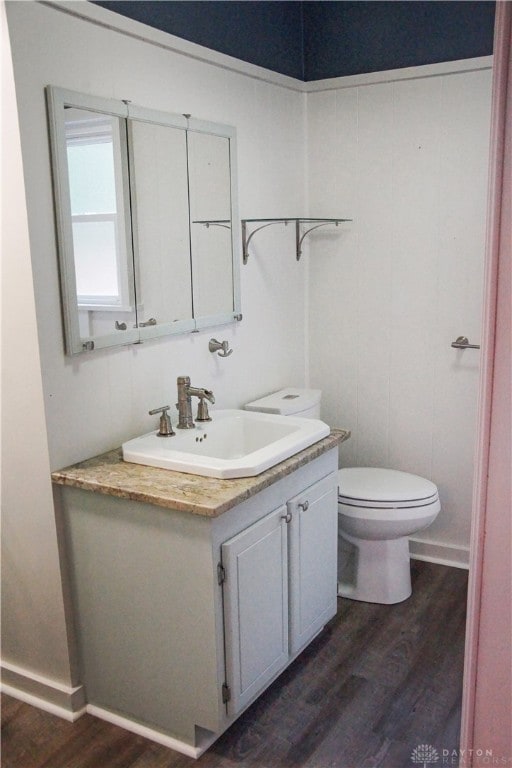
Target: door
{"points": [[313, 530], [255, 607]]}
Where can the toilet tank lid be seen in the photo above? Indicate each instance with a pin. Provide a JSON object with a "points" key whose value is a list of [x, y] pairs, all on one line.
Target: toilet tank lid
{"points": [[376, 484], [287, 401]]}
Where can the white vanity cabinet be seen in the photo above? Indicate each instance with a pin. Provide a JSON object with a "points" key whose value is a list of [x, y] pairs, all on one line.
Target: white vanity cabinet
{"points": [[183, 619], [279, 581]]}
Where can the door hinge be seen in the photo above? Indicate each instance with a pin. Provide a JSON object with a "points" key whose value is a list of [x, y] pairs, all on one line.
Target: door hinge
{"points": [[226, 693], [221, 573]]}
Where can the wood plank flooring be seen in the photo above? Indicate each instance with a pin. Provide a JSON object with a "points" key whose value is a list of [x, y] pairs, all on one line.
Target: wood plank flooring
{"points": [[378, 682]]}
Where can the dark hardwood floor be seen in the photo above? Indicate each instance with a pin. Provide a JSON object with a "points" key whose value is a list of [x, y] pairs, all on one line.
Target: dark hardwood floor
{"points": [[378, 682]]}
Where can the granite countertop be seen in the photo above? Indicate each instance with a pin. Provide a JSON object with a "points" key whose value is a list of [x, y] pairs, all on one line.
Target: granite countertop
{"points": [[207, 496]]}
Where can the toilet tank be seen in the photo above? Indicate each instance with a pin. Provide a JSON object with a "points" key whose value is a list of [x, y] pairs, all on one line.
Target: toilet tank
{"points": [[290, 402]]}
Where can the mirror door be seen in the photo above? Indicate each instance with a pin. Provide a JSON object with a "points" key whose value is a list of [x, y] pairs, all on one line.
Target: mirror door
{"points": [[145, 202], [161, 230], [210, 217], [89, 149]]}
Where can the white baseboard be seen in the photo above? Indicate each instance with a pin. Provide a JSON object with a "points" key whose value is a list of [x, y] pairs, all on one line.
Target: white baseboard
{"points": [[69, 703], [43, 692], [149, 733], [439, 552]]}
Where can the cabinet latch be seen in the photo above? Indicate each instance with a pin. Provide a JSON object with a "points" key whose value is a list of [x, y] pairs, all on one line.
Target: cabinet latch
{"points": [[226, 693], [221, 573]]}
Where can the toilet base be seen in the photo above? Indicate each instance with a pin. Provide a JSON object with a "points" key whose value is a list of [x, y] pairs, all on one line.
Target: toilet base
{"points": [[382, 573]]}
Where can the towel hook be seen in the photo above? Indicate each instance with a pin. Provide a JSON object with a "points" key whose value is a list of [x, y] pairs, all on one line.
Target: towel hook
{"points": [[215, 346]]}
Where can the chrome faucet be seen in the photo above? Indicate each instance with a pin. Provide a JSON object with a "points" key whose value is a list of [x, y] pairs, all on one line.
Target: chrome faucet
{"points": [[184, 404]]}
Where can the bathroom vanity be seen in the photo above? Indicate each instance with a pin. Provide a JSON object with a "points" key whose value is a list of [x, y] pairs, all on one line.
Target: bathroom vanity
{"points": [[191, 594]]}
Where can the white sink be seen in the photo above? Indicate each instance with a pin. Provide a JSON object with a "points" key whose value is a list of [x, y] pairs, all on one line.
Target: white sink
{"points": [[234, 443]]}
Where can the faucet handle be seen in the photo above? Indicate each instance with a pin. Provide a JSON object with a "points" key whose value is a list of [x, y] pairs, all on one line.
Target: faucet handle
{"points": [[166, 429], [202, 409]]}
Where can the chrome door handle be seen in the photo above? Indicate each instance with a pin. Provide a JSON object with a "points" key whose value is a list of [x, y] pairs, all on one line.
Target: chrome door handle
{"points": [[304, 506], [462, 343], [287, 518]]}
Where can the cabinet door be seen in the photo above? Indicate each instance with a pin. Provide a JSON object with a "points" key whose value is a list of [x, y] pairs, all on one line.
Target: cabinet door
{"points": [[313, 559], [255, 607]]}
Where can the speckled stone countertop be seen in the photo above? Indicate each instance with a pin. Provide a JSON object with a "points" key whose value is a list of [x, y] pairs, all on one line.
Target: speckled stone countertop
{"points": [[207, 496]]}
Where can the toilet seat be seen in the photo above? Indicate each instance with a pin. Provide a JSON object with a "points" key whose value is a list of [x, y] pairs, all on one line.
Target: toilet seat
{"points": [[376, 488]]}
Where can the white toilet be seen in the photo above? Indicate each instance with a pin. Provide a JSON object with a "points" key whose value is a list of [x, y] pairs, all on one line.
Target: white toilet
{"points": [[378, 510]]}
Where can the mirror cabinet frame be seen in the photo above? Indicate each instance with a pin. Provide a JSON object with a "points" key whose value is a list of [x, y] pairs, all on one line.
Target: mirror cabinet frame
{"points": [[58, 99]]}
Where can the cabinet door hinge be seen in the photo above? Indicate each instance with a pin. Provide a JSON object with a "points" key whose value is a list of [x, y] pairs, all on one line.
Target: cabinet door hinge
{"points": [[221, 573], [226, 693]]}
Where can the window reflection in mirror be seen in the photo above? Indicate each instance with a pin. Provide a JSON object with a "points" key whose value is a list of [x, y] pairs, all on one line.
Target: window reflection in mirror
{"points": [[210, 214], [160, 222], [103, 275]]}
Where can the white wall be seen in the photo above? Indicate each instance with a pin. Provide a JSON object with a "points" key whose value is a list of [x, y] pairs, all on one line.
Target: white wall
{"points": [[408, 161], [96, 401], [34, 629]]}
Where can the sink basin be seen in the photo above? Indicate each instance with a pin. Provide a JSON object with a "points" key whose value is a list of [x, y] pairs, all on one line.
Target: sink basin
{"points": [[234, 443]]}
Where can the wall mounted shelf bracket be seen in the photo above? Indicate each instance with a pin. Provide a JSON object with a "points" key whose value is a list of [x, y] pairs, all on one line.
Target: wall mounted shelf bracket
{"points": [[225, 223], [299, 234]]}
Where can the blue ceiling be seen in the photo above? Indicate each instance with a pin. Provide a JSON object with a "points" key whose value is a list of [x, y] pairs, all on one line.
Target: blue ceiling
{"points": [[316, 40]]}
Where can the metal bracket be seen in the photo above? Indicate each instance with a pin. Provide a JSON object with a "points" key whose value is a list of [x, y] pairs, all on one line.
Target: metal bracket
{"points": [[246, 240], [226, 693], [221, 574], [225, 223], [299, 238]]}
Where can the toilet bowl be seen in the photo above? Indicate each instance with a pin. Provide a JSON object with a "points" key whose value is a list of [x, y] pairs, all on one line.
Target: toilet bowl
{"points": [[378, 510]]}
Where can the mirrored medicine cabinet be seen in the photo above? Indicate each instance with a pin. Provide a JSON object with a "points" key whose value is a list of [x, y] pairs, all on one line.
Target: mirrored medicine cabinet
{"points": [[146, 221]]}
